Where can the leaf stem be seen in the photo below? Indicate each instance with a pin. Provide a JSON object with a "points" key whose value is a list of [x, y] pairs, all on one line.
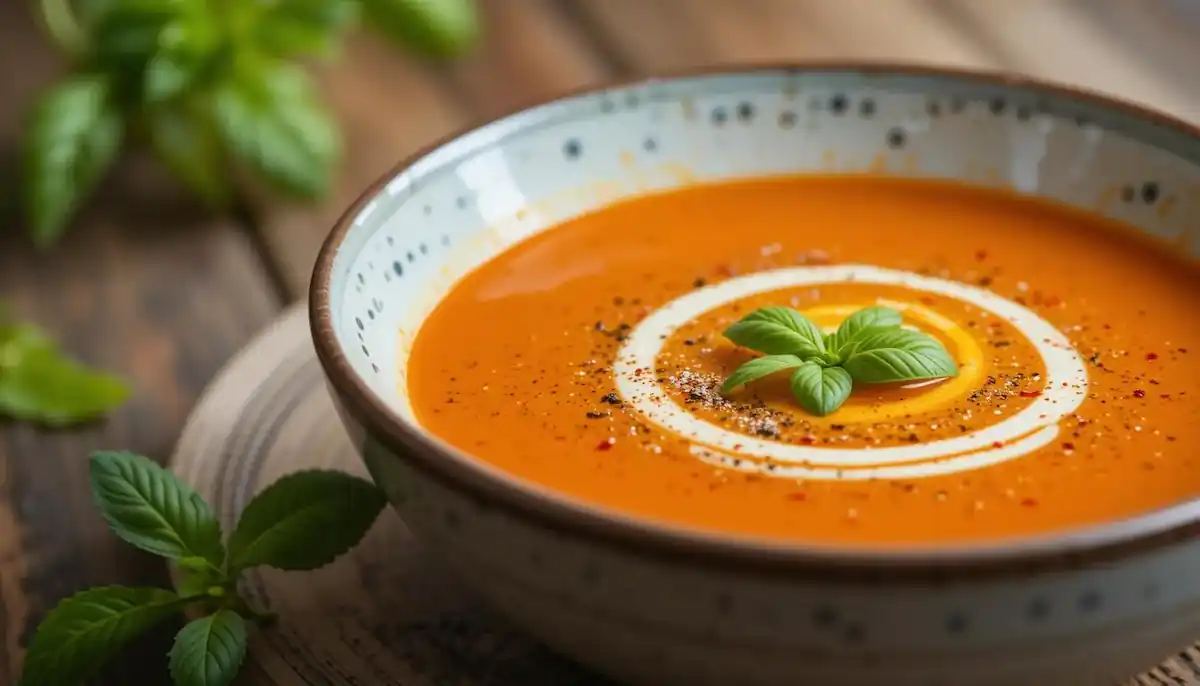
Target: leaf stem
{"points": [[62, 26]]}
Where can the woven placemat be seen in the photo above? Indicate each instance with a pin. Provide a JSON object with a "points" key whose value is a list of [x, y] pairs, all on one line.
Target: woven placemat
{"points": [[385, 614]]}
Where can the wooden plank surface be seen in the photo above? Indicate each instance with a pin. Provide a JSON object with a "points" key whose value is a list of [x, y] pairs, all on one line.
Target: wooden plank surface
{"points": [[145, 285]]}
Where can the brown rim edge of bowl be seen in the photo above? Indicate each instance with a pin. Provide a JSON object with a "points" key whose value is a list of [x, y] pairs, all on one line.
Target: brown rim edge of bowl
{"points": [[1054, 552]]}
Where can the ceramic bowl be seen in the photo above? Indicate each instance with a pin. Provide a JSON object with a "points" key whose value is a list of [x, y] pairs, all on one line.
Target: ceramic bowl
{"points": [[652, 604]]}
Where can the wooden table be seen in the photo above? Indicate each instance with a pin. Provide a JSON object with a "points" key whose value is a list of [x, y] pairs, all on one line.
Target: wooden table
{"points": [[149, 285]]}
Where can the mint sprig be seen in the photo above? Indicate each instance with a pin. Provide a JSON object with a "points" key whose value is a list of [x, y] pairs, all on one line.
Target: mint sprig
{"points": [[870, 346], [302, 521]]}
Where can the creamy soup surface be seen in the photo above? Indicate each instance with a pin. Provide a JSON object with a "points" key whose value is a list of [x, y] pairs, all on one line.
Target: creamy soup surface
{"points": [[589, 359]]}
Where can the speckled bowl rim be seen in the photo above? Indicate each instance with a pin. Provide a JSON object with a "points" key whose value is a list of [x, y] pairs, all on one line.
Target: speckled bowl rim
{"points": [[480, 481]]}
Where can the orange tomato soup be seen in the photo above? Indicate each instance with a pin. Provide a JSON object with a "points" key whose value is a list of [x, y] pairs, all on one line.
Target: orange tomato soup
{"points": [[519, 364]]}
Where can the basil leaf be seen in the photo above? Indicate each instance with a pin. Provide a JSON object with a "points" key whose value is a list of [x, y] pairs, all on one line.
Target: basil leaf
{"points": [[74, 135], [286, 28], [821, 390], [270, 117], [127, 35], [896, 354], [166, 77], [304, 521], [186, 141], [76, 638], [149, 507], [189, 53], [39, 384], [436, 28], [209, 651], [855, 324], [778, 331], [758, 368]]}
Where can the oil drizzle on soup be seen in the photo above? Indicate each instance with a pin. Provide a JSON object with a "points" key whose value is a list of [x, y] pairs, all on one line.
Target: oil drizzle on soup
{"points": [[516, 365]]}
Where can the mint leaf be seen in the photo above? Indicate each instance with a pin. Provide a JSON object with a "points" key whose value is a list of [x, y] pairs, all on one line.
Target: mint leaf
{"points": [[437, 28], [778, 331], [304, 521], [149, 507], [821, 390], [896, 354], [82, 632], [287, 28], [855, 324], [187, 142], [758, 368], [39, 384], [270, 117], [73, 137], [209, 651]]}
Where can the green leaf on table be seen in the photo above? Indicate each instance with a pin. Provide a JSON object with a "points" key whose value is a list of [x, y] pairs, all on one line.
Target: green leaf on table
{"points": [[73, 137], [758, 368], [882, 355], [209, 651], [285, 28], [83, 631], [436, 28], [39, 384], [270, 117], [870, 317], [821, 390], [778, 331], [304, 521], [149, 507], [188, 143]]}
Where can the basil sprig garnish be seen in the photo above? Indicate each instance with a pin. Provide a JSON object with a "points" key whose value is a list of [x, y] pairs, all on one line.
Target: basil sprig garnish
{"points": [[869, 347]]}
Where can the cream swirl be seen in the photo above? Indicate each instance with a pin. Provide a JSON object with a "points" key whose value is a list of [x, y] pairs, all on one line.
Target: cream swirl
{"points": [[1033, 427]]}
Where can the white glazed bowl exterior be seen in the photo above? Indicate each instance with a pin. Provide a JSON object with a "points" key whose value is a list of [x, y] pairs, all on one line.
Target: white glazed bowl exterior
{"points": [[666, 614]]}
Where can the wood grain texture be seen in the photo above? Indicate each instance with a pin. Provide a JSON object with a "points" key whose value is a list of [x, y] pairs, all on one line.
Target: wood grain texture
{"points": [[672, 34], [531, 51], [1107, 47], [161, 294], [386, 614]]}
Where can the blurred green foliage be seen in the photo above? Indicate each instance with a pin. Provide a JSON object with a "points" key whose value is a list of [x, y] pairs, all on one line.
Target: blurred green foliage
{"points": [[212, 85]]}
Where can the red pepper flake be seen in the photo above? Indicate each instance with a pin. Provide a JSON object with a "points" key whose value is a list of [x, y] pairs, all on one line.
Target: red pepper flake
{"points": [[925, 299], [1030, 394], [1068, 446], [1029, 502], [1139, 393], [606, 444], [1151, 356], [980, 255], [798, 496], [808, 440], [997, 444]]}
